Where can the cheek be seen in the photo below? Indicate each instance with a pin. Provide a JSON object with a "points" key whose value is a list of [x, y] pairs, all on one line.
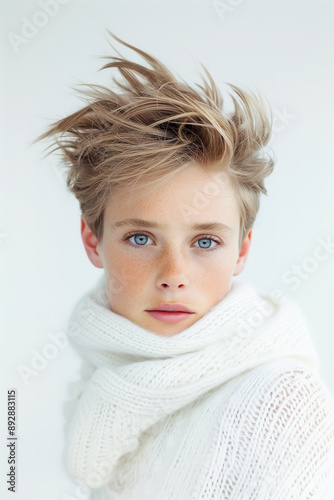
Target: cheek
{"points": [[214, 274], [125, 269]]}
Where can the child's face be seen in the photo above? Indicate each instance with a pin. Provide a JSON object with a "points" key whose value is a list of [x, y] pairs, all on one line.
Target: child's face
{"points": [[173, 264]]}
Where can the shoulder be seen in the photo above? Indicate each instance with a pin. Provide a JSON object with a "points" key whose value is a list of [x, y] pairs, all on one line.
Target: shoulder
{"points": [[299, 413], [280, 432], [291, 384], [294, 399]]}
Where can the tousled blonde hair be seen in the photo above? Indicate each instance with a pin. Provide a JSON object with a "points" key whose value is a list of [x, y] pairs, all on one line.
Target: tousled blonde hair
{"points": [[154, 127]]}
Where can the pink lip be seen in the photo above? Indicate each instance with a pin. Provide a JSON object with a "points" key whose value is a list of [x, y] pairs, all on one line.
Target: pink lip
{"points": [[169, 317], [171, 306]]}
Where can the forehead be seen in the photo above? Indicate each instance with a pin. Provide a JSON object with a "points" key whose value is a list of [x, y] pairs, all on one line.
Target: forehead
{"points": [[191, 195]]}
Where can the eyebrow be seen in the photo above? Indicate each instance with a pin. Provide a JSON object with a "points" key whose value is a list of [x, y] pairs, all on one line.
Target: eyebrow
{"points": [[155, 225]]}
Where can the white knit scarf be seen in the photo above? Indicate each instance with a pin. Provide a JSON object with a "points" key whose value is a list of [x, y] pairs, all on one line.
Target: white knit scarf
{"points": [[139, 377]]}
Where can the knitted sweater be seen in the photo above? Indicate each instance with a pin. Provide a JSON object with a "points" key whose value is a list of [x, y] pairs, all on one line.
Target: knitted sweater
{"points": [[232, 407]]}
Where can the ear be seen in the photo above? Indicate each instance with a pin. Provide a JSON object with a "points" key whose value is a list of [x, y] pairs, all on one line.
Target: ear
{"points": [[243, 254], [91, 244]]}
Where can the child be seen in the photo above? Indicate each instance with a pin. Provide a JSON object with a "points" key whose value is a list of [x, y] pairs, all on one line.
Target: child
{"points": [[195, 386]]}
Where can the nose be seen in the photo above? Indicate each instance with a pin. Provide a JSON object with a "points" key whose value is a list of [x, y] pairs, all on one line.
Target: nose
{"points": [[173, 270]]}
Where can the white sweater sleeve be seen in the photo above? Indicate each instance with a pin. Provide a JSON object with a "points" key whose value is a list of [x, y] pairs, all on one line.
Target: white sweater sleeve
{"points": [[282, 445], [75, 390]]}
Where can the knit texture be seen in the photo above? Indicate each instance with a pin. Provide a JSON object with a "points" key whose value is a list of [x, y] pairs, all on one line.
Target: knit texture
{"points": [[232, 407]]}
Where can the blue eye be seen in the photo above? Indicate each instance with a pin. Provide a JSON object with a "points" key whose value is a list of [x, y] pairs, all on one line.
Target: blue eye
{"points": [[207, 243], [140, 239]]}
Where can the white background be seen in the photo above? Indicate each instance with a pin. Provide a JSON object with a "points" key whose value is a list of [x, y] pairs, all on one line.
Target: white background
{"points": [[285, 49]]}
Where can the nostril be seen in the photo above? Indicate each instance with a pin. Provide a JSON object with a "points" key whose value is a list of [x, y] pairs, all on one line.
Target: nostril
{"points": [[178, 286]]}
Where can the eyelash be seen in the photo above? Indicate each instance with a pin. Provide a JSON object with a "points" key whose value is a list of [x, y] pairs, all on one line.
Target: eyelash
{"points": [[205, 237]]}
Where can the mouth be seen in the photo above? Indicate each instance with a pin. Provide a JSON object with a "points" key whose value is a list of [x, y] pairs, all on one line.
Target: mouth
{"points": [[169, 316]]}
